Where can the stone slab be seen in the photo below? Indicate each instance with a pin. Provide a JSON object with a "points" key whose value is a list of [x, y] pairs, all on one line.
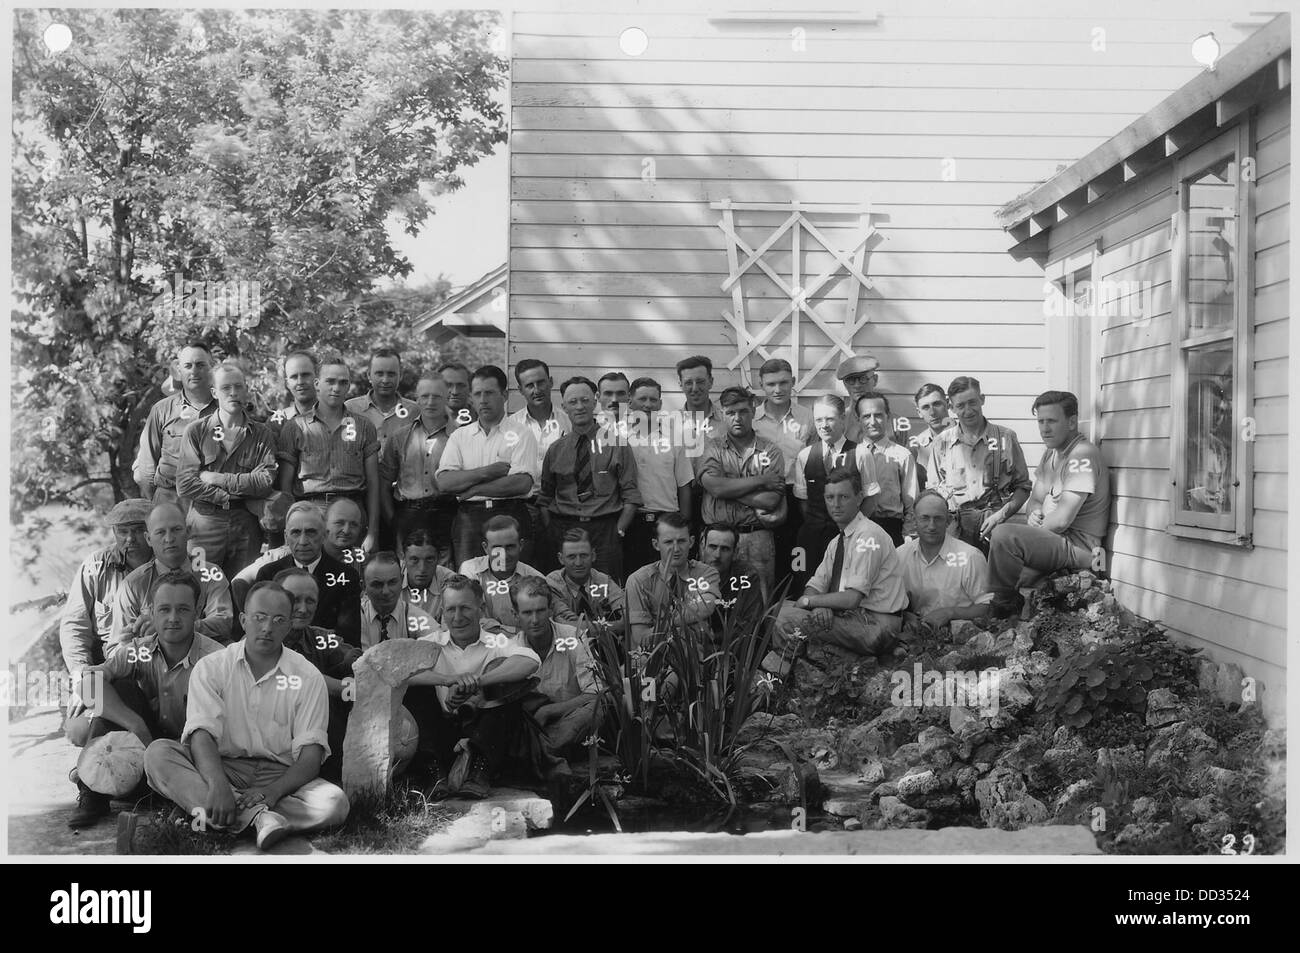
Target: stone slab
{"points": [[505, 814], [1057, 840]]}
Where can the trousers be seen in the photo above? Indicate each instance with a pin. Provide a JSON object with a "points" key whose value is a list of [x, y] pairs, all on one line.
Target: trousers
{"points": [[170, 768], [1018, 553], [859, 630], [230, 539]]}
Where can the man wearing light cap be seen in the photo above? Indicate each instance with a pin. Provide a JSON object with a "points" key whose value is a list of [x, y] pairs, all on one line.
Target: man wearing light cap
{"points": [[87, 619], [860, 375]]}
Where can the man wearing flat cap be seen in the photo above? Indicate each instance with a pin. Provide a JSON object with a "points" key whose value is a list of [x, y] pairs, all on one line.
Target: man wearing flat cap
{"points": [[87, 617], [860, 375]]}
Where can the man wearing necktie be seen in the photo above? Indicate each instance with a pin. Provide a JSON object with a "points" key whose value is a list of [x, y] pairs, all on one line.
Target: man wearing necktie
{"points": [[589, 481], [384, 613], [856, 597]]}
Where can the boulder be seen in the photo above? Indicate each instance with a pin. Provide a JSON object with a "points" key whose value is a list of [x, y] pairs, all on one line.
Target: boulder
{"points": [[1214, 780], [860, 744], [371, 747], [1005, 802], [963, 629], [919, 782], [1145, 809], [894, 814], [1079, 796], [873, 772], [1164, 708], [1180, 746]]}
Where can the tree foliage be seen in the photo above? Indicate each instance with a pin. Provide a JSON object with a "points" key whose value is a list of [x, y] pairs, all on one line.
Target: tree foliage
{"points": [[266, 149]]}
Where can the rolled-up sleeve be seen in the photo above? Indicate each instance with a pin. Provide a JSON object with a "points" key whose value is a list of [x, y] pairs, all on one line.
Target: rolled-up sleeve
{"points": [[631, 494], [205, 708], [637, 613], [311, 715]]}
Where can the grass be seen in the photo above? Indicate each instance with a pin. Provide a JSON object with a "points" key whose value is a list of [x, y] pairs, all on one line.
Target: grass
{"points": [[397, 822]]}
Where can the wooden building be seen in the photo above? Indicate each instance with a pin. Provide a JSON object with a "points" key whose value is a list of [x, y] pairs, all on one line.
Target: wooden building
{"points": [[908, 124], [679, 171], [1168, 248]]}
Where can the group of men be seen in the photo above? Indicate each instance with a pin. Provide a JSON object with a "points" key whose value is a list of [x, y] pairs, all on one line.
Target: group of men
{"points": [[265, 557]]}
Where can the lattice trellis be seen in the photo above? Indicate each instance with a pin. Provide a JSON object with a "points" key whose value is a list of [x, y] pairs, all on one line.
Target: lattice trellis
{"points": [[797, 224]]}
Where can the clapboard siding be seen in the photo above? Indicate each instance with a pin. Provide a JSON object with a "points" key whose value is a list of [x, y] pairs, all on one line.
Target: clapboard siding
{"points": [[934, 120], [1229, 600]]}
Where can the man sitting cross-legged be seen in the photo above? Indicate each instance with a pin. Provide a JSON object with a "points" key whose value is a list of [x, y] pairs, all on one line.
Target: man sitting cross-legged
{"points": [[856, 597], [255, 734], [332, 657], [945, 578], [566, 703], [143, 685], [465, 738]]}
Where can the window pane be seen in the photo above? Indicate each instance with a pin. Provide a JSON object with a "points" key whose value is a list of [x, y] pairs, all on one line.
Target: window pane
{"points": [[1208, 474], [1211, 199]]}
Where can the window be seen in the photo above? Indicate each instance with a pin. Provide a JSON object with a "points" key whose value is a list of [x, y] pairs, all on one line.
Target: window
{"points": [[1074, 321], [1210, 468]]}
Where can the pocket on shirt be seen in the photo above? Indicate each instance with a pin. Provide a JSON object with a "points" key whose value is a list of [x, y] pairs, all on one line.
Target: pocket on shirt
{"points": [[103, 618], [603, 482]]}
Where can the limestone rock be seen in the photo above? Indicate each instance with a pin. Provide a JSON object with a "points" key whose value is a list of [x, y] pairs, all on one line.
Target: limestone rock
{"points": [[1145, 809], [1137, 836], [920, 782], [962, 629], [1214, 780], [371, 743], [1078, 795], [1180, 746], [894, 813], [1005, 802], [873, 772], [1164, 708], [852, 824]]}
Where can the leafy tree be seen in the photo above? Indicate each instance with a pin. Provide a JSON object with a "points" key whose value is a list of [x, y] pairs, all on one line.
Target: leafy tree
{"points": [[268, 150]]}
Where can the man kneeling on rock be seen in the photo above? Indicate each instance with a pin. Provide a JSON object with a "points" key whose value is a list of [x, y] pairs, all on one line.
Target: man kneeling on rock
{"points": [[856, 597], [469, 706], [255, 734], [143, 685], [566, 702]]}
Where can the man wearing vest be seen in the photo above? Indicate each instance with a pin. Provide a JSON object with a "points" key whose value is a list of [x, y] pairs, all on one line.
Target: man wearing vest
{"points": [[829, 450]]}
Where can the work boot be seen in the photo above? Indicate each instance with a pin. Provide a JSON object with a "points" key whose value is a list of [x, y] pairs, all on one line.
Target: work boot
{"points": [[477, 784], [434, 782], [91, 806]]}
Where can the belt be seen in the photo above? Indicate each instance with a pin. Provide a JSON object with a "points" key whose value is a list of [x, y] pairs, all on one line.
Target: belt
{"points": [[429, 503], [212, 509], [584, 519], [493, 504], [742, 530], [329, 496]]}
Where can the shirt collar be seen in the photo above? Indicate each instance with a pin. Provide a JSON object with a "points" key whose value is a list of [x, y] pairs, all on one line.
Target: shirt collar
{"points": [[241, 656], [856, 525], [310, 567], [761, 413]]}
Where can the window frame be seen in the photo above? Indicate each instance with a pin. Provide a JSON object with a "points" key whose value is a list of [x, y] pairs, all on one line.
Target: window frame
{"points": [[1233, 529]]}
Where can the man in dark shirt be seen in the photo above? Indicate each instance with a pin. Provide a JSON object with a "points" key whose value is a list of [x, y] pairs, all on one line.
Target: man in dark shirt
{"points": [[588, 483], [743, 594], [340, 584]]}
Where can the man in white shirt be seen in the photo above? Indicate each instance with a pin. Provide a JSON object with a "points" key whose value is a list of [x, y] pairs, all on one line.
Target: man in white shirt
{"points": [[856, 598], [491, 465], [664, 473], [255, 734], [468, 706], [946, 579]]}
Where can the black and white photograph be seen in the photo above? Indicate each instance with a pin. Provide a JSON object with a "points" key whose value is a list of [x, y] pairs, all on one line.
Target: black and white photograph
{"points": [[651, 432]]}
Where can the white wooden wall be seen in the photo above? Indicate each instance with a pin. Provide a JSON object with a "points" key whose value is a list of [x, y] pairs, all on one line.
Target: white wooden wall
{"points": [[611, 269]]}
